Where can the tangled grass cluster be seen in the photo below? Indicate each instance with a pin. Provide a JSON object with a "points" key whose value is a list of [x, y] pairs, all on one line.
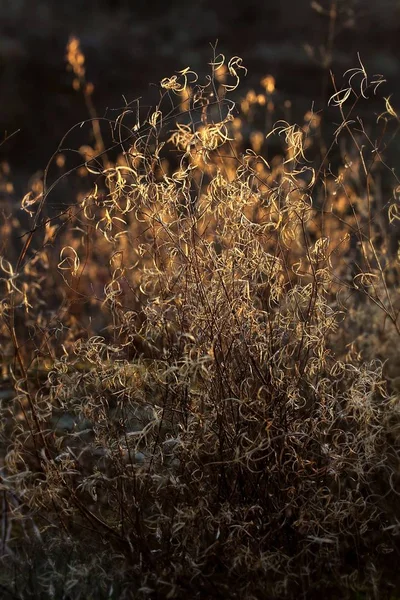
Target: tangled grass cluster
{"points": [[198, 410]]}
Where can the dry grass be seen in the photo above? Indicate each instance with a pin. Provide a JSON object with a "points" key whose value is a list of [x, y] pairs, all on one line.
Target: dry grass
{"points": [[201, 344]]}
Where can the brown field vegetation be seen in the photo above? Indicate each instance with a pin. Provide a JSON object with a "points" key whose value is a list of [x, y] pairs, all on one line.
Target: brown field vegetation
{"points": [[199, 331]]}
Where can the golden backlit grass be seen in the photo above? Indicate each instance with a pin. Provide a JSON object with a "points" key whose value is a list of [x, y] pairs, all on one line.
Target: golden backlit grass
{"points": [[202, 348]]}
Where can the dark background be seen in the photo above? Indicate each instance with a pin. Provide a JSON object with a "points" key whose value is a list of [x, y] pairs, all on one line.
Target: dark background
{"points": [[130, 44]]}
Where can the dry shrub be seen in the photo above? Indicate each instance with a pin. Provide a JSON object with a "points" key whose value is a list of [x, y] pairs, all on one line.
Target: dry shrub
{"points": [[194, 421]]}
